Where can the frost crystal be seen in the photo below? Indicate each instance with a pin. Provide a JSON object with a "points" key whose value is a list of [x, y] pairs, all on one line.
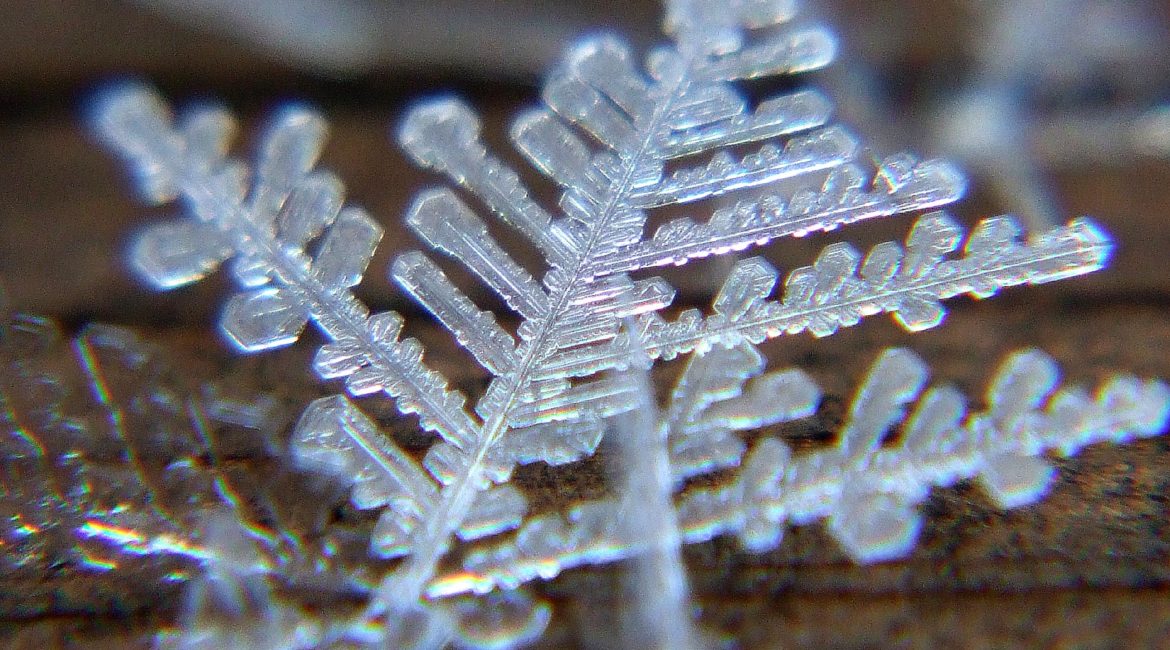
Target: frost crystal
{"points": [[111, 460], [864, 486], [620, 143]]}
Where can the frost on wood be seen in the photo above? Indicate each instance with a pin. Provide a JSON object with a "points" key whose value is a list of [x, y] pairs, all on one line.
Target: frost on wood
{"points": [[865, 487], [620, 142], [111, 457], [231, 605], [122, 476]]}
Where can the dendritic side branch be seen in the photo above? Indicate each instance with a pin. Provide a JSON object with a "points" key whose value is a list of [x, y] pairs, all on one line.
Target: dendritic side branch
{"points": [[865, 488]]}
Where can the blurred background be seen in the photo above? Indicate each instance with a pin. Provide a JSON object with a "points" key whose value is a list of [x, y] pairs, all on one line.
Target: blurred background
{"points": [[1054, 108]]}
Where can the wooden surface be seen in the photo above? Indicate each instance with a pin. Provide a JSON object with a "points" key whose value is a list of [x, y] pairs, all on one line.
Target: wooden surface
{"points": [[1087, 567]]}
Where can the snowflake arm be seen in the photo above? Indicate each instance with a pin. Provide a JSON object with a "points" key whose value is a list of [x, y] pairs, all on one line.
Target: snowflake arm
{"points": [[266, 231], [841, 287], [863, 486], [867, 490]]}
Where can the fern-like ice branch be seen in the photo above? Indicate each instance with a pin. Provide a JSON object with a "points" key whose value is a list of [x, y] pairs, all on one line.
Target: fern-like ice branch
{"points": [[868, 490], [841, 288], [864, 486], [265, 230]]}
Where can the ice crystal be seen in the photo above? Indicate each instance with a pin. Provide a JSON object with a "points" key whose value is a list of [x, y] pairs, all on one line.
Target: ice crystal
{"points": [[111, 460], [865, 486], [115, 467], [620, 143]]}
